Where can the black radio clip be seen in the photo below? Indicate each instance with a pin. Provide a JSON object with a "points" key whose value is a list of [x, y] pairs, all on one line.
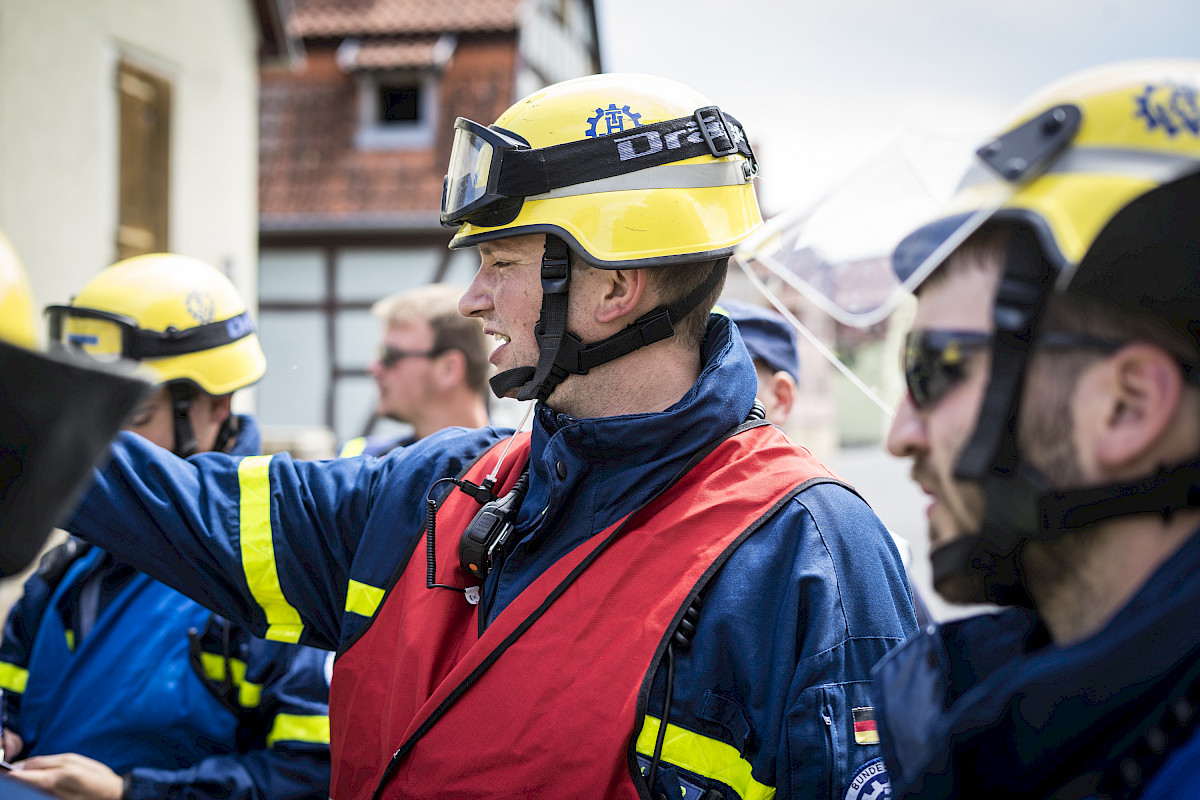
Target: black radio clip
{"points": [[490, 529]]}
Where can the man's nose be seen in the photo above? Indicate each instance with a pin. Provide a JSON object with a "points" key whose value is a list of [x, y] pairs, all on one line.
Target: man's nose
{"points": [[907, 435], [476, 299]]}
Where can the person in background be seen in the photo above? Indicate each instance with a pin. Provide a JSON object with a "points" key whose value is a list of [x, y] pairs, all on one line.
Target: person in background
{"points": [[1053, 417], [653, 593], [59, 416], [771, 341], [431, 370], [117, 687]]}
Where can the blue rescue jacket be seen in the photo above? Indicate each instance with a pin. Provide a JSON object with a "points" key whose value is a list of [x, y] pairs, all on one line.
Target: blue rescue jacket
{"points": [[163, 690], [774, 687], [989, 707]]}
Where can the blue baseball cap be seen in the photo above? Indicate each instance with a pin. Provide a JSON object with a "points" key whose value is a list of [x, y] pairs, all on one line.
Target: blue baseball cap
{"points": [[768, 336]]}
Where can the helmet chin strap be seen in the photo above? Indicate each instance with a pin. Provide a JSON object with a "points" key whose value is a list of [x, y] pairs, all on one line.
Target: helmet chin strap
{"points": [[562, 353], [181, 403], [990, 459]]}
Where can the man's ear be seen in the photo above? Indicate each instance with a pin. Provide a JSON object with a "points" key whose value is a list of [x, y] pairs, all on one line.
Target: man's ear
{"points": [[1143, 388], [622, 291], [782, 391], [451, 369]]}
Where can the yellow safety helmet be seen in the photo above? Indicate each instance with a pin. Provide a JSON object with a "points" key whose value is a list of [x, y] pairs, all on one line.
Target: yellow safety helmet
{"points": [[16, 305], [60, 413], [629, 170], [1077, 153], [175, 314]]}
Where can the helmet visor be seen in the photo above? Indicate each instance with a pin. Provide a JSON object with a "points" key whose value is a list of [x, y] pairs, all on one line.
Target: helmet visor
{"points": [[471, 184]]}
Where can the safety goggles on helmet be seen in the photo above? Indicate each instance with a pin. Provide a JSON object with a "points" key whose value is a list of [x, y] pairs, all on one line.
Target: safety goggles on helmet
{"points": [[492, 170], [106, 336]]}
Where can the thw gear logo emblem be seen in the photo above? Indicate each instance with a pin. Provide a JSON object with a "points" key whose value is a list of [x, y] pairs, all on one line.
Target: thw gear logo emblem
{"points": [[201, 306], [871, 783], [1172, 108], [615, 120]]}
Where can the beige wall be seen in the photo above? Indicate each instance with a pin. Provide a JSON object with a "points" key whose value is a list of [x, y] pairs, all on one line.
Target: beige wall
{"points": [[58, 131]]}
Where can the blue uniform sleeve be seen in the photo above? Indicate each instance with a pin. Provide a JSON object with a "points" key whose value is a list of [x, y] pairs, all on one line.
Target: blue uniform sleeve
{"points": [[267, 541], [855, 606], [283, 733], [20, 629]]}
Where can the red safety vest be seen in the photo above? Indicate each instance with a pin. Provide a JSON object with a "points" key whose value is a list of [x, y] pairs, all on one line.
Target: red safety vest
{"points": [[545, 703]]}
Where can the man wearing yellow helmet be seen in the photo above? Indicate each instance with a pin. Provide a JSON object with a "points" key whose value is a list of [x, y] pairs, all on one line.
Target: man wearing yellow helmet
{"points": [[655, 593], [1052, 415], [116, 686]]}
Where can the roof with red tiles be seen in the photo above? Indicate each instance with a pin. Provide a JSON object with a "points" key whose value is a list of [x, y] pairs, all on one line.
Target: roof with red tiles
{"points": [[334, 18], [312, 174], [410, 53]]}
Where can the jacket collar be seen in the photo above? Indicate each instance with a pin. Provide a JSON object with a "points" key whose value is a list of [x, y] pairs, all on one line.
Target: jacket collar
{"points": [[609, 466], [990, 701]]}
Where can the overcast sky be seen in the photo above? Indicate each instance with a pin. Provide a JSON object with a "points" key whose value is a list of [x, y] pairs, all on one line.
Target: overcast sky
{"points": [[819, 84]]}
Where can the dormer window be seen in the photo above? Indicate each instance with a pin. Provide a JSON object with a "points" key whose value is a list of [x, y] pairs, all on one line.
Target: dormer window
{"points": [[397, 89], [399, 104]]}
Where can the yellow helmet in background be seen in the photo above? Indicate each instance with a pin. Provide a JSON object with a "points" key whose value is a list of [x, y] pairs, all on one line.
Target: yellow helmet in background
{"points": [[60, 413], [629, 170], [16, 303], [1075, 155], [175, 314]]}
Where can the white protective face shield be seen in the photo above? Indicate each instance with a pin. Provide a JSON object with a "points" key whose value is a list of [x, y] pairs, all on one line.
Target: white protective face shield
{"points": [[838, 252]]}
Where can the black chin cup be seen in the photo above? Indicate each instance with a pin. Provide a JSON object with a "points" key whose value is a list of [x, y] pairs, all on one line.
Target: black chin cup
{"points": [[59, 417]]}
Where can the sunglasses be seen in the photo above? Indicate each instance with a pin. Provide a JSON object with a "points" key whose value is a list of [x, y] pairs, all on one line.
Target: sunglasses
{"points": [[935, 361], [390, 356]]}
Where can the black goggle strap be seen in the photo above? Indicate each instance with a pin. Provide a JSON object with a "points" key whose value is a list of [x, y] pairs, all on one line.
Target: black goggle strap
{"points": [[707, 132], [181, 402], [139, 343]]}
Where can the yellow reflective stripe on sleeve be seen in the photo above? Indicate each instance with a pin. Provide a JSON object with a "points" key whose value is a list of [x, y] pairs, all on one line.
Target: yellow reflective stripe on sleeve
{"points": [[13, 678], [363, 599], [354, 447], [250, 694], [704, 756], [70, 640], [297, 728], [258, 551]]}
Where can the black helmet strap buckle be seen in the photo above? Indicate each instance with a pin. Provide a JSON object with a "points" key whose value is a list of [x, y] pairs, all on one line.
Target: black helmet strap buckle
{"points": [[562, 353]]}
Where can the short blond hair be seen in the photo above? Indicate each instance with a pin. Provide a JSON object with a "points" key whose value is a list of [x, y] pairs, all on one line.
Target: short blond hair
{"points": [[437, 304]]}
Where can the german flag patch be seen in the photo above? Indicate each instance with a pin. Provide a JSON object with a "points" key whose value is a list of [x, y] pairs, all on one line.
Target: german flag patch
{"points": [[865, 731]]}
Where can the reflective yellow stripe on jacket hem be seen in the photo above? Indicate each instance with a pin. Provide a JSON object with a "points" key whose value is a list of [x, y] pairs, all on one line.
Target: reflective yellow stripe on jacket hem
{"points": [[13, 678], [354, 447], [258, 550], [296, 728], [362, 598], [704, 756]]}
